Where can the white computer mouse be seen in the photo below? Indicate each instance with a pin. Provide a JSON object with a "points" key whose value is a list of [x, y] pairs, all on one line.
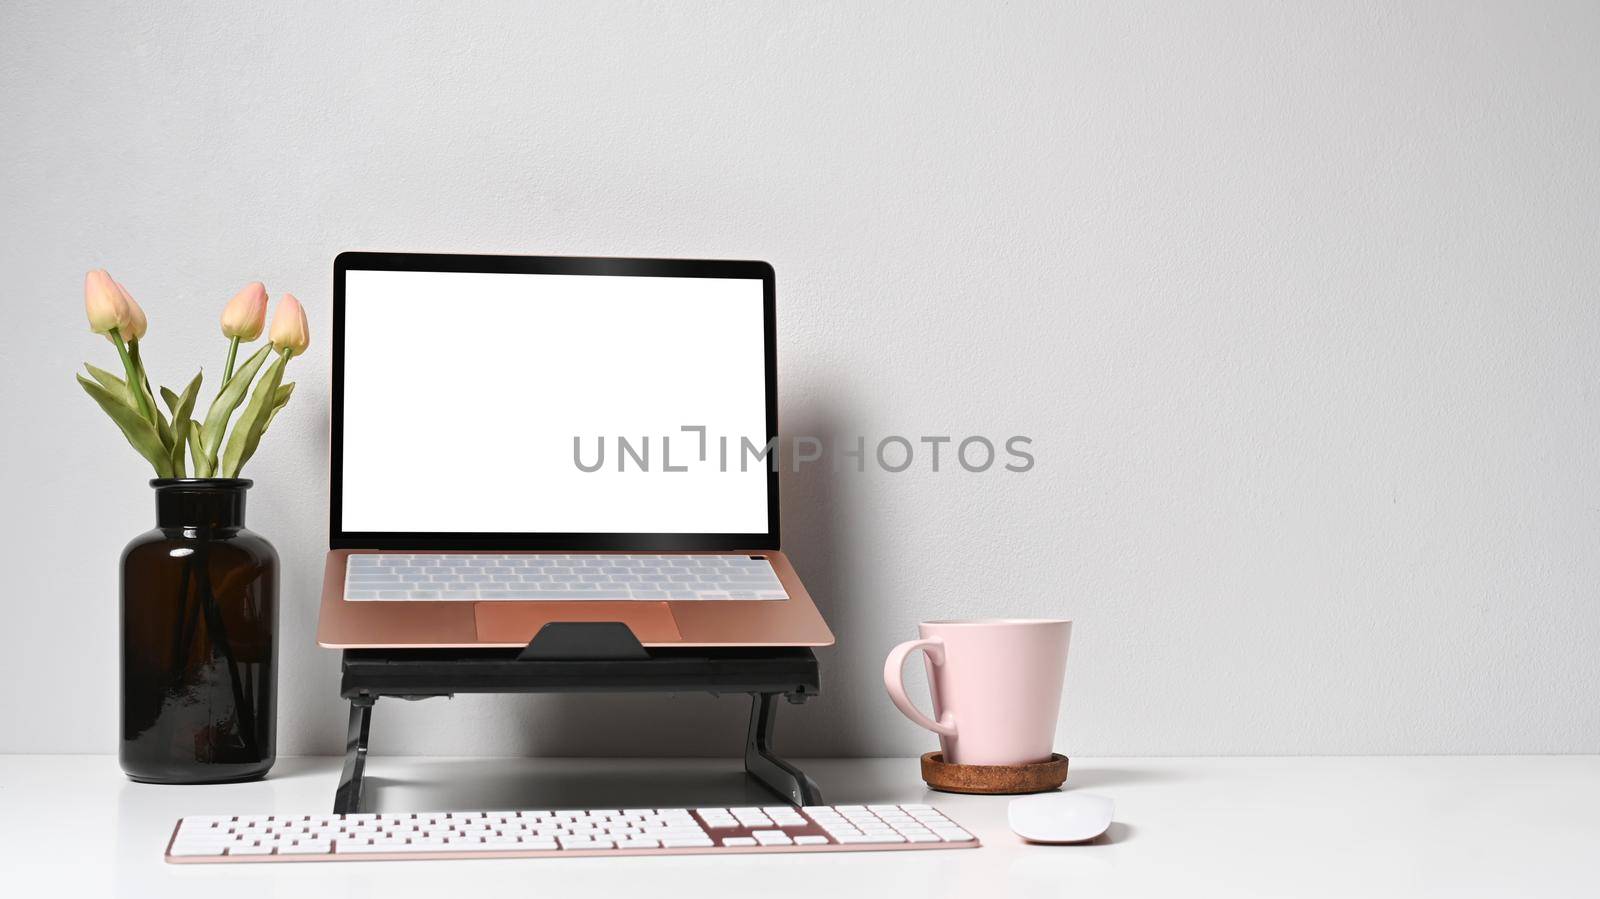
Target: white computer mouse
{"points": [[1060, 817]]}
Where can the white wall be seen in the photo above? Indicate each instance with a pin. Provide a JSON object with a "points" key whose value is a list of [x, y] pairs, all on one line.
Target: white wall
{"points": [[1297, 300]]}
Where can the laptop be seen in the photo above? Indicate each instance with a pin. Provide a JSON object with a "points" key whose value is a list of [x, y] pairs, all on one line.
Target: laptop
{"points": [[520, 440]]}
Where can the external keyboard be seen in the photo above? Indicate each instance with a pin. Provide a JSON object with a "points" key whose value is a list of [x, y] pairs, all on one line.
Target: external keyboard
{"points": [[520, 577], [643, 831]]}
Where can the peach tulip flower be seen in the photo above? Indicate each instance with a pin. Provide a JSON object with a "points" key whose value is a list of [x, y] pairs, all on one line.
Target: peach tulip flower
{"points": [[105, 303], [137, 323], [245, 314], [290, 332]]}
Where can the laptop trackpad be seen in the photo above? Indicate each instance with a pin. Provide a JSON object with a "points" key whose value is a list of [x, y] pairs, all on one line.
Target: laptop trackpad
{"points": [[516, 622]]}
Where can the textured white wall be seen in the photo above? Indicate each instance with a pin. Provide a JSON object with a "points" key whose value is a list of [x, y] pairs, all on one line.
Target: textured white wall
{"points": [[1297, 300]]}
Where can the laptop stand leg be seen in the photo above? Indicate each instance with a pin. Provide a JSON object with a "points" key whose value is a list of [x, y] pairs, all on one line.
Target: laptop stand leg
{"points": [[764, 765], [347, 800]]}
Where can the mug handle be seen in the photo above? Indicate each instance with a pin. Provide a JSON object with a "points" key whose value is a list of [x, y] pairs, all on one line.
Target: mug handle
{"points": [[894, 682]]}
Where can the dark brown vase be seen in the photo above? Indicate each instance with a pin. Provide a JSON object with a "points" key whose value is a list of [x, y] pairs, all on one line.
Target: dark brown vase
{"points": [[199, 639]]}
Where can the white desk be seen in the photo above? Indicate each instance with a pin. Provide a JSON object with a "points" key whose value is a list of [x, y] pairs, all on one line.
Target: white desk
{"points": [[1524, 827]]}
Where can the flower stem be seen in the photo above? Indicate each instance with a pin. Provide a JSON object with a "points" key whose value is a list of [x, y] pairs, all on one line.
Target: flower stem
{"points": [[227, 370], [144, 376], [135, 378]]}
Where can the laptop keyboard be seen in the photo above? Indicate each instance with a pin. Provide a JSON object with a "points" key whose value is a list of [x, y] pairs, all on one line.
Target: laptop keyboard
{"points": [[521, 577]]}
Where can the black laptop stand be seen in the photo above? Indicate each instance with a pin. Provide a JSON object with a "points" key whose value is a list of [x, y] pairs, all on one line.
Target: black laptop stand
{"points": [[585, 657]]}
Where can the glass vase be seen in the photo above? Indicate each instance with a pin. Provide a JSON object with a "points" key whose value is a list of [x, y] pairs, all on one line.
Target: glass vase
{"points": [[199, 639]]}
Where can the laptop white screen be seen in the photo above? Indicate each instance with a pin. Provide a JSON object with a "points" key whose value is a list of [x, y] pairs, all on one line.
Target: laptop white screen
{"points": [[473, 402]]}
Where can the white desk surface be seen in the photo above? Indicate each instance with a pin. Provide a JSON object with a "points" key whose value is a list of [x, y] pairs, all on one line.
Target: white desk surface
{"points": [[1448, 826]]}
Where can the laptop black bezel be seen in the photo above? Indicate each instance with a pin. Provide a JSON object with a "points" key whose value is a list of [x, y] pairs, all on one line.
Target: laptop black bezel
{"points": [[339, 538]]}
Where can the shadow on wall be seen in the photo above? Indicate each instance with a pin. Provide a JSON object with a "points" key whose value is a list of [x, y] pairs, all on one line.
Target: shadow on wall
{"points": [[820, 537]]}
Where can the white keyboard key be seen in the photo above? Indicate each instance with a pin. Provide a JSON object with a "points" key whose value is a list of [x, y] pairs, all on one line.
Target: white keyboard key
{"points": [[686, 842], [204, 833], [261, 849], [810, 840], [869, 838], [198, 850], [365, 848], [771, 837], [201, 847], [738, 841]]}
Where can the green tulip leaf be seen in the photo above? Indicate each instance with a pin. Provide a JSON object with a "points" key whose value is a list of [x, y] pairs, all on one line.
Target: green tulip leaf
{"points": [[163, 429], [197, 452], [246, 434], [284, 392], [182, 423], [171, 399], [143, 383], [140, 433], [228, 400], [109, 381], [177, 455]]}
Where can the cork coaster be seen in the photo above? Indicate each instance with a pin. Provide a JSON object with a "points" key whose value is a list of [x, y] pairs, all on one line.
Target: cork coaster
{"points": [[1035, 778]]}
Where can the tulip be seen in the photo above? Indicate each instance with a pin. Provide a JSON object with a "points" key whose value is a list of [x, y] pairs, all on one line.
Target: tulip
{"points": [[134, 332], [104, 301], [290, 333], [110, 312], [245, 314], [137, 323], [242, 319]]}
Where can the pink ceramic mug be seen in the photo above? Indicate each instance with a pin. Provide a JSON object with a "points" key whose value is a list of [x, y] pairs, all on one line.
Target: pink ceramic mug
{"points": [[996, 687]]}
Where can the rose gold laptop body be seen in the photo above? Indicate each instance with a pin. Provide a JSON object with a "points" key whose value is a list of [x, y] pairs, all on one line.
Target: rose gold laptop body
{"points": [[369, 624], [366, 625]]}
